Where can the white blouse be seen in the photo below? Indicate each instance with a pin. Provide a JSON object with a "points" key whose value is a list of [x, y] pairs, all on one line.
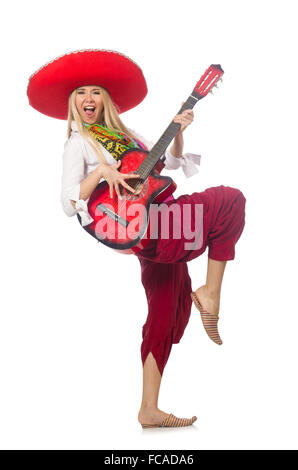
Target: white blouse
{"points": [[79, 159]]}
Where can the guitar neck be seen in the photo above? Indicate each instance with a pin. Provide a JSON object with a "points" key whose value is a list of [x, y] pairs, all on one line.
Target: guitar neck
{"points": [[161, 145]]}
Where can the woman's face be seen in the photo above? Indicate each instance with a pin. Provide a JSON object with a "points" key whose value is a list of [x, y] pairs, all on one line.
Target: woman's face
{"points": [[89, 103]]}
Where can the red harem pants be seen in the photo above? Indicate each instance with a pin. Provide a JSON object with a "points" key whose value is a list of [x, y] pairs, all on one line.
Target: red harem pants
{"points": [[164, 270]]}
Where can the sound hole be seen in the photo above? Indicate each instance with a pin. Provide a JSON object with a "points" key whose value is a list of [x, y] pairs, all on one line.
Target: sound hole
{"points": [[139, 185]]}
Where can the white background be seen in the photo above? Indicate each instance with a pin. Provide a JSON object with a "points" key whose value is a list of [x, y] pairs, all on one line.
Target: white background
{"points": [[72, 310]]}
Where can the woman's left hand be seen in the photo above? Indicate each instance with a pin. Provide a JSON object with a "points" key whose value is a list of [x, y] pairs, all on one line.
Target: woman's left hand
{"points": [[185, 118]]}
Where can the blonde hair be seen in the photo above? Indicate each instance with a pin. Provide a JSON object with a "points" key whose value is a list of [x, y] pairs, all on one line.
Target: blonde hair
{"points": [[109, 118]]}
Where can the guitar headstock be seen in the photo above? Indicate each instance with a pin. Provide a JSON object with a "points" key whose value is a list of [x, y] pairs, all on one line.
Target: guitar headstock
{"points": [[210, 78]]}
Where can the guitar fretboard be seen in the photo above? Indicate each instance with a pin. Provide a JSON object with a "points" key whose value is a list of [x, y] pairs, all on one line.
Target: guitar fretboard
{"points": [[161, 145]]}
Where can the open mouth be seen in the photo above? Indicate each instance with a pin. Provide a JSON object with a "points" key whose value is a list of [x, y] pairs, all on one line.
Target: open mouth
{"points": [[89, 110]]}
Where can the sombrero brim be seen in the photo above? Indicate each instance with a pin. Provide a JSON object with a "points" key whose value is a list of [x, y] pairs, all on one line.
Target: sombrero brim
{"points": [[50, 86]]}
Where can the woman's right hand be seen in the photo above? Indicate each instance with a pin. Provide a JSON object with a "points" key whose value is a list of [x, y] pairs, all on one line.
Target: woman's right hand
{"points": [[113, 177]]}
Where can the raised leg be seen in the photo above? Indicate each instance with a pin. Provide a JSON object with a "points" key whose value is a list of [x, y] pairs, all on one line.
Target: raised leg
{"points": [[209, 293]]}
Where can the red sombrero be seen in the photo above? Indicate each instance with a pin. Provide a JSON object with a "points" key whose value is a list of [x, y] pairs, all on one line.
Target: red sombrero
{"points": [[50, 86]]}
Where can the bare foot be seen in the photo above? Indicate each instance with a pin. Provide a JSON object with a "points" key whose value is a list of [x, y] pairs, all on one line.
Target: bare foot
{"points": [[154, 416], [209, 300]]}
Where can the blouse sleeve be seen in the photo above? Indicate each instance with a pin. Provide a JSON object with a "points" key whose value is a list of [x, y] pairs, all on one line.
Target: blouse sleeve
{"points": [[72, 175], [188, 161]]}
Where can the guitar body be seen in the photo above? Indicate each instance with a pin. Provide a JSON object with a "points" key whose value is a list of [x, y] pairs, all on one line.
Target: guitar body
{"points": [[123, 224]]}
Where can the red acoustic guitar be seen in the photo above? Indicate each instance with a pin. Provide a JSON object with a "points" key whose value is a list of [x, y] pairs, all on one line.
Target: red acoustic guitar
{"points": [[124, 224]]}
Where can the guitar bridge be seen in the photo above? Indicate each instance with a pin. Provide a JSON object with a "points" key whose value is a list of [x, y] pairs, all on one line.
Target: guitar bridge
{"points": [[105, 210]]}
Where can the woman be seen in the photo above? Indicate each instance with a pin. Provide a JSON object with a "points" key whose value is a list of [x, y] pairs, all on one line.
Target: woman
{"points": [[91, 88]]}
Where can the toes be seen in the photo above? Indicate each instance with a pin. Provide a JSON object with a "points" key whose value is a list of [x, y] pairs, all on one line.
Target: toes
{"points": [[173, 422], [210, 324]]}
